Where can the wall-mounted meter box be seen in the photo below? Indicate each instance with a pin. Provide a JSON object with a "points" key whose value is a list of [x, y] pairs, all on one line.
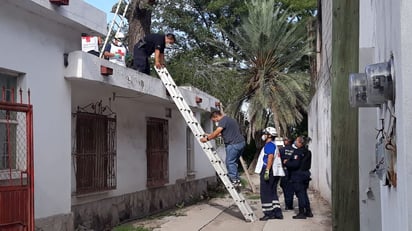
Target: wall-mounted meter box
{"points": [[374, 87], [380, 84], [358, 94]]}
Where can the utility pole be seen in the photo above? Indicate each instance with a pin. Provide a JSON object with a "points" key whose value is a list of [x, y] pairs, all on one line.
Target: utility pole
{"points": [[344, 142]]}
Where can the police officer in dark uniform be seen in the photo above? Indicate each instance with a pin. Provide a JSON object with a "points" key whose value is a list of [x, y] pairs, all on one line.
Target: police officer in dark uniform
{"points": [[298, 176], [152, 43], [285, 154], [305, 168]]}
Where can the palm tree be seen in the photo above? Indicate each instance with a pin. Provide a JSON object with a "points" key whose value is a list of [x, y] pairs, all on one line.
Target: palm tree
{"points": [[273, 44]]}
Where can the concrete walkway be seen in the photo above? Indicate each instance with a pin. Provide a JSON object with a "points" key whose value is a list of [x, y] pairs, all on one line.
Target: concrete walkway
{"points": [[223, 214]]}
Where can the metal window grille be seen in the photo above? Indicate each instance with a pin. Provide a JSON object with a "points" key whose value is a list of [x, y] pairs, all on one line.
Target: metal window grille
{"points": [[190, 157], [157, 152], [94, 154]]}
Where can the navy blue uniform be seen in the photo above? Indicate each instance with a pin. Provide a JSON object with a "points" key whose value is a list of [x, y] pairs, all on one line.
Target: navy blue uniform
{"points": [[145, 48], [268, 192], [298, 177], [305, 167], [285, 154]]}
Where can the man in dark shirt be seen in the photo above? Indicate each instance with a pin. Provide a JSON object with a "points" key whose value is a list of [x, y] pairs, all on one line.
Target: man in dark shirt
{"points": [[233, 139], [152, 43]]}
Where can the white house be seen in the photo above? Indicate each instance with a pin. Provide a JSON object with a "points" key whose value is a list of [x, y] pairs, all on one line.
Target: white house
{"points": [[384, 33], [107, 148]]}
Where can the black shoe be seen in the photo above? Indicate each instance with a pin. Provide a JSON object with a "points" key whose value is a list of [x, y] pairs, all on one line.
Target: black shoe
{"points": [[289, 208], [280, 217], [266, 217], [299, 216], [308, 213]]}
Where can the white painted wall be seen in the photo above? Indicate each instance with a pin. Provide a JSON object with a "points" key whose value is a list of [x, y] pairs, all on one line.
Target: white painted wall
{"points": [[34, 44], [369, 184], [319, 115], [386, 27], [131, 138]]}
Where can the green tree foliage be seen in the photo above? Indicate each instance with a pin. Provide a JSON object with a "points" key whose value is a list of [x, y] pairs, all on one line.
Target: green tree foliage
{"points": [[273, 43], [305, 7], [196, 60], [212, 75]]}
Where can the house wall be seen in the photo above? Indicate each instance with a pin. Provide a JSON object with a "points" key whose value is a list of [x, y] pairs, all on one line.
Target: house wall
{"points": [[131, 138], [319, 115], [33, 42], [38, 51], [131, 198], [369, 184], [393, 33], [384, 31]]}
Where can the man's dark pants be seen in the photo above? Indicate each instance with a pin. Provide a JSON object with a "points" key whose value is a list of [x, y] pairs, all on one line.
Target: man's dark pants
{"points": [[269, 196], [141, 60], [287, 189]]}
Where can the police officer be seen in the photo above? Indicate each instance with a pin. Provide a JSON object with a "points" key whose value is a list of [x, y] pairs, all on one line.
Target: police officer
{"points": [[305, 168], [285, 154], [151, 43], [268, 182], [297, 176]]}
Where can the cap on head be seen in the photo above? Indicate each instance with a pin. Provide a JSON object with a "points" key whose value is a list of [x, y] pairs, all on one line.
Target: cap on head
{"points": [[271, 131], [119, 35]]}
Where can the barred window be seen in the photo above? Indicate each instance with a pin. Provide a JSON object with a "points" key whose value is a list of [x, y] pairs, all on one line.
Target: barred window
{"points": [[94, 152], [157, 152], [8, 123]]}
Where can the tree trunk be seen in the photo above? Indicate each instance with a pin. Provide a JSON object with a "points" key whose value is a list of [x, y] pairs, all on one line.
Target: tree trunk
{"points": [[140, 21]]}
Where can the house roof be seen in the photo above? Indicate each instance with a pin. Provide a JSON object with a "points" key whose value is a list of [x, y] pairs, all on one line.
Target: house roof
{"points": [[78, 14], [86, 68]]}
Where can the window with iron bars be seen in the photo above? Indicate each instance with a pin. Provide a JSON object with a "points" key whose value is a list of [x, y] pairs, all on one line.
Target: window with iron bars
{"points": [[157, 152], [8, 123], [94, 156]]}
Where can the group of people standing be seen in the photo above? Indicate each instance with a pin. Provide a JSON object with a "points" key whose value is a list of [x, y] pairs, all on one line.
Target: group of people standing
{"points": [[295, 159]]}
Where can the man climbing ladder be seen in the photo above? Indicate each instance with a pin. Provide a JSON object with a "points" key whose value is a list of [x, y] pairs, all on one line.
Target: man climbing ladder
{"points": [[210, 152]]}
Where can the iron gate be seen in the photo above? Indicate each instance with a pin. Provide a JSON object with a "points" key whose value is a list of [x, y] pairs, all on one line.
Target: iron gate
{"points": [[16, 162]]}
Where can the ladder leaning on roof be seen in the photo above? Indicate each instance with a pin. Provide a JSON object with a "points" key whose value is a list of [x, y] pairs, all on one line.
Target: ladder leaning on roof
{"points": [[211, 153], [117, 23]]}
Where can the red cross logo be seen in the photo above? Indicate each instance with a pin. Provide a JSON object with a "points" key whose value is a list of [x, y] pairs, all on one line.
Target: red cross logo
{"points": [[120, 52], [88, 38]]}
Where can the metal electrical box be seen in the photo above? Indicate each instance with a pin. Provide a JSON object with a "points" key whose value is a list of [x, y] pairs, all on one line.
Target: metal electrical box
{"points": [[373, 88]]}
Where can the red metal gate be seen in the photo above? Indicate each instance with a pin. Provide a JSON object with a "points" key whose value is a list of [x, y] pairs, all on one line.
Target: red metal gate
{"points": [[16, 162]]}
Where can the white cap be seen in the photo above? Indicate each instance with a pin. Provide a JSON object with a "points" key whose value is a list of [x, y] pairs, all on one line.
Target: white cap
{"points": [[270, 130], [119, 35]]}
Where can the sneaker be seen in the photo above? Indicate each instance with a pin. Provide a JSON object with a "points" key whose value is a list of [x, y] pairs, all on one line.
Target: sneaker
{"points": [[236, 183]]}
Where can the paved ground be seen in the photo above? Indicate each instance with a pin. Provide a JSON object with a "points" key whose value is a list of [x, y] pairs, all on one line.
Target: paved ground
{"points": [[222, 214]]}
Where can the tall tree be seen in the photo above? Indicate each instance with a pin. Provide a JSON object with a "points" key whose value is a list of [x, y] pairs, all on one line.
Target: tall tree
{"points": [[139, 18], [273, 43]]}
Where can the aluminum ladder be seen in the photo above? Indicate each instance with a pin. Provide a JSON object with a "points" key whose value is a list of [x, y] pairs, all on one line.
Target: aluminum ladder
{"points": [[207, 147], [117, 23]]}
